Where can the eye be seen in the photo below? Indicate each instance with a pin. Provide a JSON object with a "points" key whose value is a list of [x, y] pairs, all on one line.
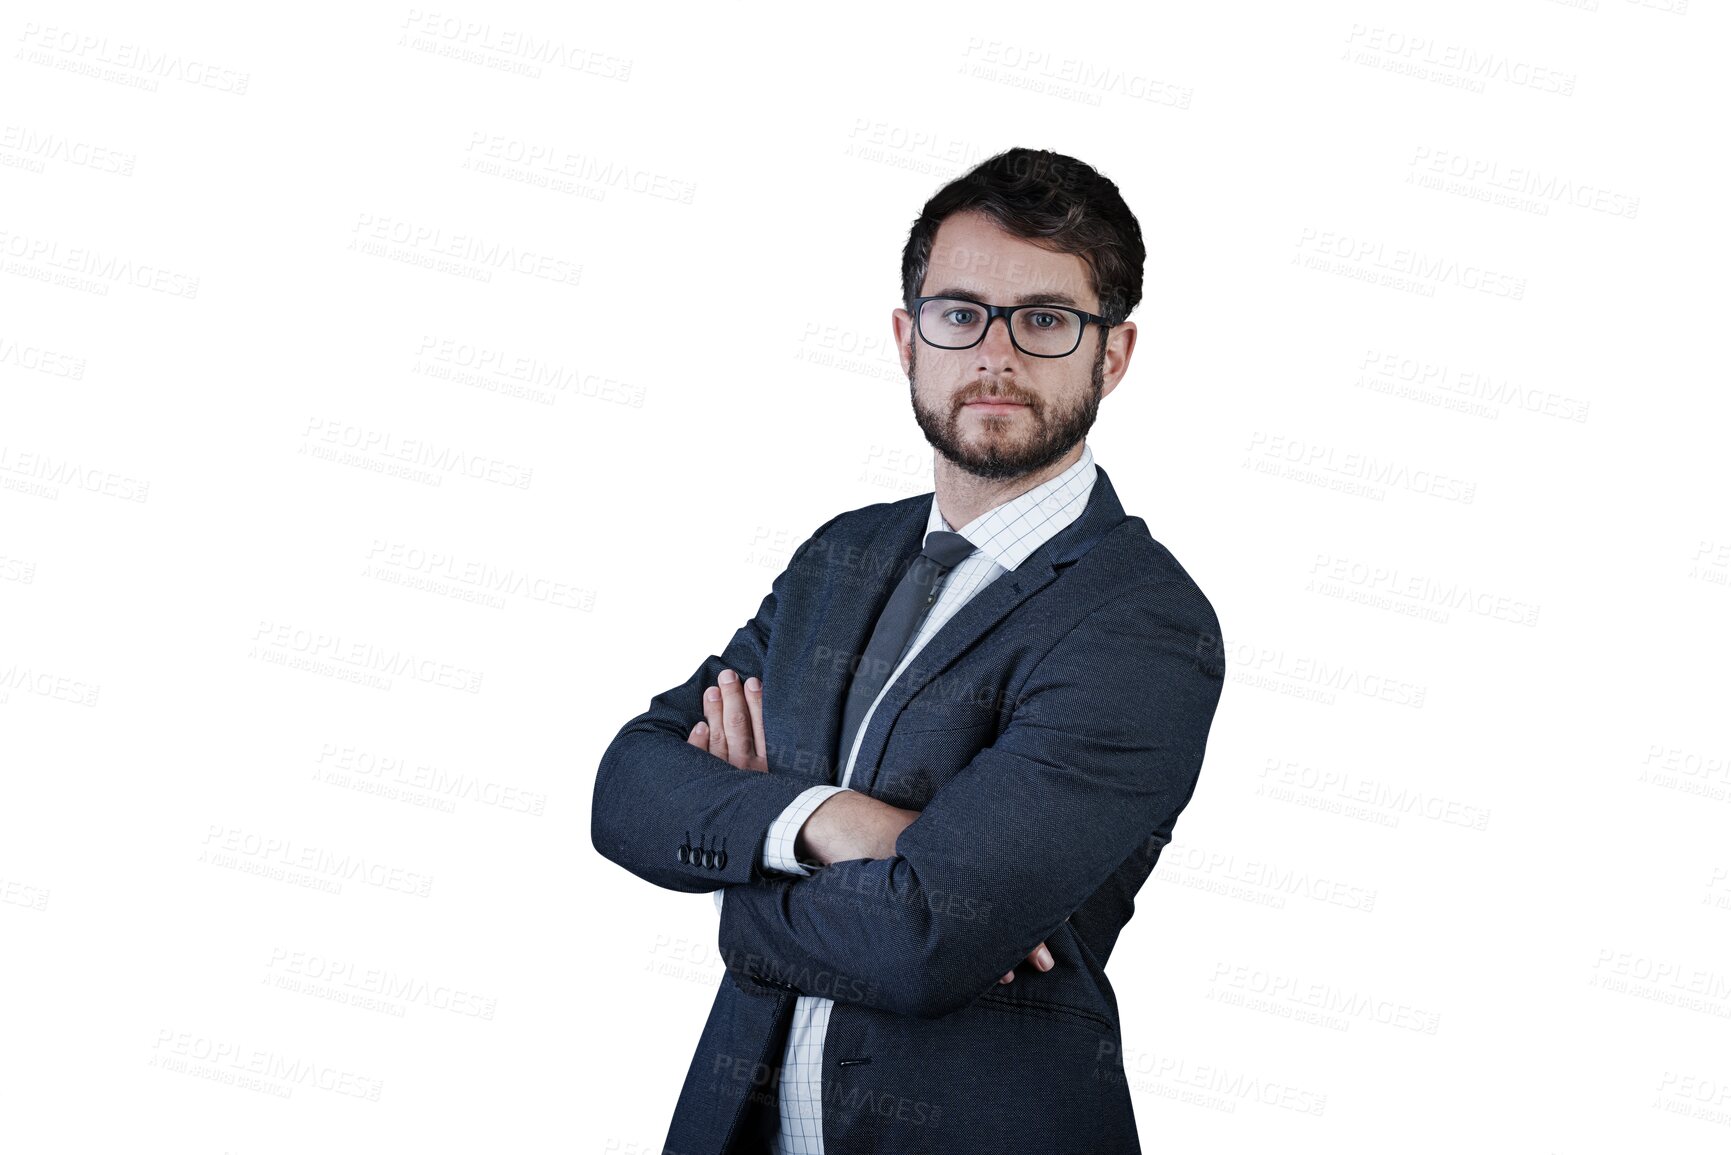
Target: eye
{"points": [[1046, 320], [959, 316]]}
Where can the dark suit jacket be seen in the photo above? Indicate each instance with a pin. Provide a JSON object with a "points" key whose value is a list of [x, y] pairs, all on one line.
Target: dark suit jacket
{"points": [[1050, 734]]}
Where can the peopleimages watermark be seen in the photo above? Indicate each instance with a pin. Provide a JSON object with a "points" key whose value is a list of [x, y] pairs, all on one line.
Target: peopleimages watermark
{"points": [[44, 684], [254, 1068], [431, 458], [282, 643], [275, 857], [43, 474], [93, 55]]}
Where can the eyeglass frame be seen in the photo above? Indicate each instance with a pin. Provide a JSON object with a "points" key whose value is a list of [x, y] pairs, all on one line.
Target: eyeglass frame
{"points": [[1007, 312]]}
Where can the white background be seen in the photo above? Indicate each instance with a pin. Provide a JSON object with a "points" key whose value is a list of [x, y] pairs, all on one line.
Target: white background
{"points": [[1428, 398]]}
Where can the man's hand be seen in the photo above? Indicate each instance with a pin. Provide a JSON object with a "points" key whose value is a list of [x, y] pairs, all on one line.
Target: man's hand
{"points": [[846, 826], [850, 825], [1040, 956], [733, 726], [854, 825]]}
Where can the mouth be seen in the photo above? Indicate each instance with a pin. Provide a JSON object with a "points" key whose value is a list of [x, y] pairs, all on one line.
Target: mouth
{"points": [[995, 405]]}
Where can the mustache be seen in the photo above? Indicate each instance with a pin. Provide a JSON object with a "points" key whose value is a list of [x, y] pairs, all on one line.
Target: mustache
{"points": [[984, 391]]}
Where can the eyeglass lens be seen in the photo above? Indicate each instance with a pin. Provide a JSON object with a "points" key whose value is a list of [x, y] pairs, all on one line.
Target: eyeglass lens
{"points": [[951, 323]]}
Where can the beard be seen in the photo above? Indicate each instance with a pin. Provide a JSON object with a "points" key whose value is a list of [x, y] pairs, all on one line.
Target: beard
{"points": [[1013, 445]]}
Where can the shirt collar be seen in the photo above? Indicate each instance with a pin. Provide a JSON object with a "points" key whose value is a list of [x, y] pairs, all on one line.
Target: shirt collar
{"points": [[1008, 533]]}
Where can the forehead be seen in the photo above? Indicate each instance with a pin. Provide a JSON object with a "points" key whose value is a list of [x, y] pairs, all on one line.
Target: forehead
{"points": [[971, 253]]}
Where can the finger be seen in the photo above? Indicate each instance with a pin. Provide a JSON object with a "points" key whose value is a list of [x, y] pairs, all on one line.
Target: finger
{"points": [[1042, 957], [699, 736], [712, 715], [735, 719], [1009, 977], [754, 702]]}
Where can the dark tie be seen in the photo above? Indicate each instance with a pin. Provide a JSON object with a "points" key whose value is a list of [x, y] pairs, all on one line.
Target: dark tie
{"points": [[908, 605]]}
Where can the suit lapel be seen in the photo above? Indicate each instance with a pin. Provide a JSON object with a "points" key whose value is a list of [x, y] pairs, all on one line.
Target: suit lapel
{"points": [[858, 577], [983, 612]]}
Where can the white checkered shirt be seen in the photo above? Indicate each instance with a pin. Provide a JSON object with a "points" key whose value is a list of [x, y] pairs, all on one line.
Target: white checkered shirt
{"points": [[1003, 538]]}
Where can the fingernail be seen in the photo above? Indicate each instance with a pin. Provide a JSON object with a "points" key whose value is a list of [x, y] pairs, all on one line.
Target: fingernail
{"points": [[703, 727], [728, 677], [712, 695], [754, 685], [1045, 959]]}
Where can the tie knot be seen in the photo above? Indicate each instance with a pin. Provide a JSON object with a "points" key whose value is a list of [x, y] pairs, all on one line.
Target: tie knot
{"points": [[946, 549]]}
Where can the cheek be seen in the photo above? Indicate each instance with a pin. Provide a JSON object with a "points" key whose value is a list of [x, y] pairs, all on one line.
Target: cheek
{"points": [[934, 397]]}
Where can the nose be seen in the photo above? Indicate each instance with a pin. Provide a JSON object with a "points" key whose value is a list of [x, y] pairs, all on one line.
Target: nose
{"points": [[995, 347]]}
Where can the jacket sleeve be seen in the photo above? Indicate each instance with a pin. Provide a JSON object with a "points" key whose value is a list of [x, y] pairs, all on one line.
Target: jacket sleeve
{"points": [[1103, 751], [678, 816], [778, 848]]}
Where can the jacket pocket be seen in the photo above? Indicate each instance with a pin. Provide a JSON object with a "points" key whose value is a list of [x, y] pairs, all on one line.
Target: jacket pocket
{"points": [[916, 764], [1043, 1008], [940, 717]]}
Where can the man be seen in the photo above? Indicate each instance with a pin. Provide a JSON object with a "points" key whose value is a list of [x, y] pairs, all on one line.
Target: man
{"points": [[955, 737]]}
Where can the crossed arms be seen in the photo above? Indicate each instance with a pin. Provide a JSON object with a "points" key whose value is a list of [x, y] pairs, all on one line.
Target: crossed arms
{"points": [[825, 823], [1103, 751]]}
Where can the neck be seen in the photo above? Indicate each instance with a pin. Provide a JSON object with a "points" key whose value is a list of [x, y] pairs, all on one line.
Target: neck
{"points": [[962, 496]]}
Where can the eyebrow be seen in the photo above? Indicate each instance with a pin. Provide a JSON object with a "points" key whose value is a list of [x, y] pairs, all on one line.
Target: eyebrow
{"points": [[1024, 299]]}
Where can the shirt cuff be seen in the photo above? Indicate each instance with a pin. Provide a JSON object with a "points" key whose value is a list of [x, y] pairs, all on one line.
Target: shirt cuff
{"points": [[778, 847]]}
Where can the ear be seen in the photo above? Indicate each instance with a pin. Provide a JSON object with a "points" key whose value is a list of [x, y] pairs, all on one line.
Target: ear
{"points": [[1119, 344], [902, 327]]}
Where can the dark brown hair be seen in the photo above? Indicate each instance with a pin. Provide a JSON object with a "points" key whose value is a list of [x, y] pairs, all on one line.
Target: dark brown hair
{"points": [[1052, 200]]}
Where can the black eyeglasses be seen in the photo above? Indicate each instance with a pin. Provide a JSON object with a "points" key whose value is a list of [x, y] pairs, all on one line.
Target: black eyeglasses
{"points": [[1037, 330]]}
